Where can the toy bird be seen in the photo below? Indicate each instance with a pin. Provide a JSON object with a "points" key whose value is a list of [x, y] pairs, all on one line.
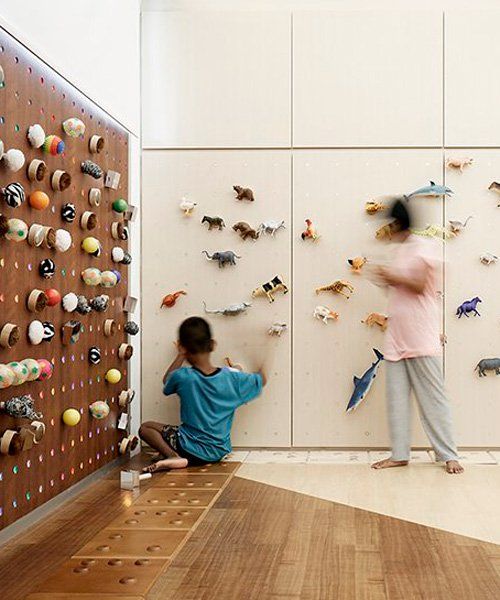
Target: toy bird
{"points": [[187, 206], [170, 299], [310, 232]]}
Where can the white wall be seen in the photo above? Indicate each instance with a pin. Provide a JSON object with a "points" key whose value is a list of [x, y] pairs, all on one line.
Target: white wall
{"points": [[93, 43], [376, 100]]}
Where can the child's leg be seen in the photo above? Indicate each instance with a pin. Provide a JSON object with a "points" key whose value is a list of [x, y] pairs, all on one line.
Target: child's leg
{"points": [[154, 435]]}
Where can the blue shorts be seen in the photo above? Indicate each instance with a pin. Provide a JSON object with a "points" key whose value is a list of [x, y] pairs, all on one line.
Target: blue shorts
{"points": [[170, 434]]}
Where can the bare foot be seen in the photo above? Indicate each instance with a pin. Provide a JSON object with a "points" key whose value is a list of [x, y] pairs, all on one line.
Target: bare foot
{"points": [[454, 467], [387, 463], [166, 464]]}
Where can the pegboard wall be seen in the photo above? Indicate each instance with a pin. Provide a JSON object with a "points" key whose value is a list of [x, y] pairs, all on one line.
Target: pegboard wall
{"points": [[33, 93]]}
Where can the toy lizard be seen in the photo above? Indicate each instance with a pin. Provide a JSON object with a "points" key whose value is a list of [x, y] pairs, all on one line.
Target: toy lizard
{"points": [[170, 299], [338, 287], [230, 311]]}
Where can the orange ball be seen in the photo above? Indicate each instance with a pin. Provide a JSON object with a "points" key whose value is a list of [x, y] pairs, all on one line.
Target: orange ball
{"points": [[39, 200]]}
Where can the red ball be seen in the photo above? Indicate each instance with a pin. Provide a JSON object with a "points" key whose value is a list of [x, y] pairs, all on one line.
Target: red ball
{"points": [[54, 297]]}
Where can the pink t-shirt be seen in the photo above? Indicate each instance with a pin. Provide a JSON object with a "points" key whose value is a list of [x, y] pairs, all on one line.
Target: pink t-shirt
{"points": [[413, 326]]}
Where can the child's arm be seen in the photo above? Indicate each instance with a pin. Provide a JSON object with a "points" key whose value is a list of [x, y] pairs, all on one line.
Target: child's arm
{"points": [[176, 364], [262, 372]]}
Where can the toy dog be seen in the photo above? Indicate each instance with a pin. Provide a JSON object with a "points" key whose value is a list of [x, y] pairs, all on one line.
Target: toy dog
{"points": [[337, 287]]}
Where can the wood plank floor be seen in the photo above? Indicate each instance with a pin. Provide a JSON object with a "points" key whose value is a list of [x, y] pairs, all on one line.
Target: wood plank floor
{"points": [[262, 542]]}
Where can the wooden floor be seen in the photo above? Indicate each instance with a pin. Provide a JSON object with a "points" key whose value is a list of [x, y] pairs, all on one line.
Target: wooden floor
{"points": [[262, 542]]}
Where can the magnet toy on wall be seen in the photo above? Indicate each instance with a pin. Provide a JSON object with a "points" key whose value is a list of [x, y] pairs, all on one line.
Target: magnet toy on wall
{"points": [[213, 222], [13, 159], [36, 301], [372, 207], [120, 205], [233, 365], [88, 220], [46, 369], [344, 288], [53, 145], [108, 279], [268, 289], [488, 364], [36, 135], [245, 231], [100, 303], [37, 170], [39, 200], [457, 226], [22, 407], [131, 328], [47, 268], [91, 276], [487, 258], [375, 318], [469, 306], [119, 231], [362, 385], [35, 332], [99, 409], [495, 187], [112, 180], [170, 299], [309, 232], [17, 230], [91, 168], [94, 197], [433, 190], [13, 194], [386, 231], [74, 127], [6, 377], [96, 144], [33, 367], [223, 257], [94, 355], [243, 193], [9, 335], [70, 302], [125, 351], [187, 206], [70, 332], [71, 417], [270, 227], [113, 376], [458, 162], [60, 180], [68, 212], [323, 313], [357, 263], [277, 328], [229, 311]]}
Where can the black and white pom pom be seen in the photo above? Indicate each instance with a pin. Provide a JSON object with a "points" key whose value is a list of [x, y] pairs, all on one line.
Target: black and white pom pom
{"points": [[68, 212], [100, 303], [127, 258], [47, 268], [131, 328], [14, 195], [83, 306], [94, 355], [48, 331]]}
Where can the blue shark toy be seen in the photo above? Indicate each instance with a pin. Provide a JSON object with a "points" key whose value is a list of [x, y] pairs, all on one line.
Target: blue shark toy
{"points": [[362, 386], [431, 190]]}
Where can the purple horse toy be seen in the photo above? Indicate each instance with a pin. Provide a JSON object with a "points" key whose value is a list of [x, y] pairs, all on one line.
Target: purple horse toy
{"points": [[469, 306]]}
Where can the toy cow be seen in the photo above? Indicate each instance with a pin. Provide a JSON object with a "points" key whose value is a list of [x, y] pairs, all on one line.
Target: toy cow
{"points": [[271, 287]]}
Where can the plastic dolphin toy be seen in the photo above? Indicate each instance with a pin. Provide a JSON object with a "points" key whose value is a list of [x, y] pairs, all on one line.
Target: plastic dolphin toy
{"points": [[362, 385], [431, 190]]}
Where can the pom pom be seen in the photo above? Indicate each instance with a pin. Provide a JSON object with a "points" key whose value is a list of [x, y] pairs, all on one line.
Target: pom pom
{"points": [[14, 159], [117, 254], [18, 230], [36, 135], [35, 332], [63, 240], [74, 127], [70, 302], [108, 279]]}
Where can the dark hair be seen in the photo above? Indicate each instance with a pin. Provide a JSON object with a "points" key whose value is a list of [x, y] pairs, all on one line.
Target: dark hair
{"points": [[400, 213], [195, 335]]}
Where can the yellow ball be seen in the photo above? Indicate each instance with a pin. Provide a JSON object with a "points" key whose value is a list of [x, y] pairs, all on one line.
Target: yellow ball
{"points": [[90, 245], [113, 376], [71, 417]]}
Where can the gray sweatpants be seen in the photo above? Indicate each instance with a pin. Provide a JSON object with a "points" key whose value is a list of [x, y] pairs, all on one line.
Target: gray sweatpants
{"points": [[424, 376]]}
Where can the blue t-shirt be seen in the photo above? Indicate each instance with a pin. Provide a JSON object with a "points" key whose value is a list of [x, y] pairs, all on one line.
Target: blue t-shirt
{"points": [[208, 403]]}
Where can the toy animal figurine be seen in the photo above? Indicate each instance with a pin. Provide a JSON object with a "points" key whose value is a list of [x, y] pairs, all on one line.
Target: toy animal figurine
{"points": [[375, 318], [357, 263], [457, 226], [373, 207], [434, 231], [495, 187], [187, 206], [233, 365], [230, 311], [277, 329], [487, 258], [213, 222], [310, 232], [226, 257], [344, 288], [170, 299], [468, 306], [362, 385], [386, 231], [271, 287], [243, 193], [433, 190], [323, 313], [459, 162], [271, 227], [245, 231], [488, 364]]}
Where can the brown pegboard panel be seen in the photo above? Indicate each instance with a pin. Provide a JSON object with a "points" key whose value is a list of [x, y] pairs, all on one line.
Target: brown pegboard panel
{"points": [[33, 93]]}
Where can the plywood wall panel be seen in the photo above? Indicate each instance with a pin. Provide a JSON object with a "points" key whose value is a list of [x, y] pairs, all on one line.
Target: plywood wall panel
{"points": [[173, 260], [331, 188], [367, 78]]}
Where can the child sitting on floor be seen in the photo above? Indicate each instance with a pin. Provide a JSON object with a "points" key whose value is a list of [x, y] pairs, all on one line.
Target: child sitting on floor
{"points": [[209, 397]]}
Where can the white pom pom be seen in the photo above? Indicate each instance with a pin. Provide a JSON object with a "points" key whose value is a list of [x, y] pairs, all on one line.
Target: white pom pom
{"points": [[117, 254], [1, 148], [14, 159], [70, 302], [63, 240], [36, 135], [35, 332]]}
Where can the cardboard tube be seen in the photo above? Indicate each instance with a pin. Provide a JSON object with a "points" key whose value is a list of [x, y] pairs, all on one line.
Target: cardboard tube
{"points": [[109, 327]]}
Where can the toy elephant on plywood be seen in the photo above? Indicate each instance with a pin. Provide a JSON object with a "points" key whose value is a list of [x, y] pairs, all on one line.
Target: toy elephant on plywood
{"points": [[226, 257]]}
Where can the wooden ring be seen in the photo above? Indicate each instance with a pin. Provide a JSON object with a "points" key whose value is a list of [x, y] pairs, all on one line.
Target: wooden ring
{"points": [[11, 442], [60, 180], [125, 351], [9, 335], [109, 327], [88, 220], [96, 144], [37, 170], [119, 231], [94, 196], [37, 301], [36, 235], [39, 431]]}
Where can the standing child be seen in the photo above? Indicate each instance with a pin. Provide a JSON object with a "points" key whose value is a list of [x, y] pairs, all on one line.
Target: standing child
{"points": [[208, 395]]}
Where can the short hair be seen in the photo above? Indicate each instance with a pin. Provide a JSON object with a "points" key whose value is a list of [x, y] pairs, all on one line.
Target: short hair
{"points": [[401, 214], [195, 335]]}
